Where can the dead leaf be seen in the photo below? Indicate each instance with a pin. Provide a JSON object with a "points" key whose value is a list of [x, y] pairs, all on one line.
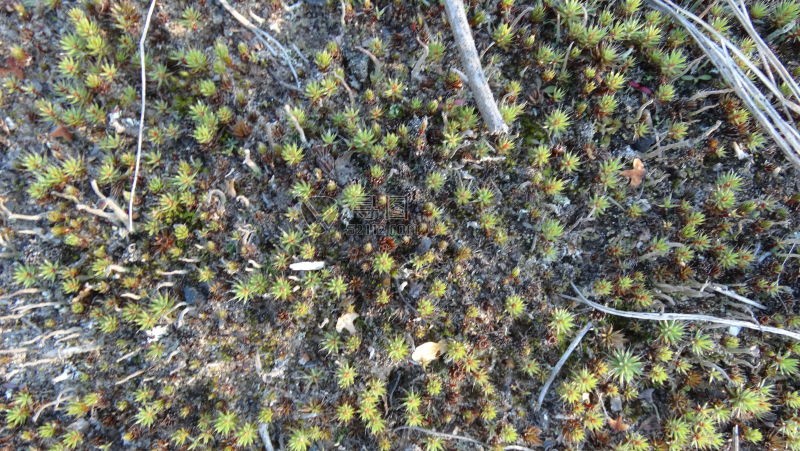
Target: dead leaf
{"points": [[635, 175], [61, 132], [346, 322], [13, 68], [428, 352], [532, 436], [618, 425]]}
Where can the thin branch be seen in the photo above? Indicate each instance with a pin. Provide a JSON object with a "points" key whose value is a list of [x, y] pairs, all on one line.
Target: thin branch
{"points": [[462, 34], [685, 143], [733, 295], [65, 353], [372, 57], [442, 435], [350, 92], [768, 57], [700, 95], [140, 137], [132, 375], [55, 403], [265, 38], [575, 342], [18, 217], [681, 317], [20, 292], [263, 431], [420, 64], [118, 211]]}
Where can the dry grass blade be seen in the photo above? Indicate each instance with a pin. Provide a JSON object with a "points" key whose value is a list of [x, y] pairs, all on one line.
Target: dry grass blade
{"points": [[727, 57]]}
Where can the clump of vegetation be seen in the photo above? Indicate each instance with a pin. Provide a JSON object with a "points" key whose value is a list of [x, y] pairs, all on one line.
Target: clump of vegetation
{"points": [[355, 262]]}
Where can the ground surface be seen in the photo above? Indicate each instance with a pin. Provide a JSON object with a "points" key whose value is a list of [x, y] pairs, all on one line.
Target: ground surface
{"points": [[625, 173]]}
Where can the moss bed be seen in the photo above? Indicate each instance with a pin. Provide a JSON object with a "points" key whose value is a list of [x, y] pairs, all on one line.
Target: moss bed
{"points": [[630, 171]]}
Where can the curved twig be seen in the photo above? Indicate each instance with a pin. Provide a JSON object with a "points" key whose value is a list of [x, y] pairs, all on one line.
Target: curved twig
{"points": [[140, 137], [556, 369], [681, 317]]}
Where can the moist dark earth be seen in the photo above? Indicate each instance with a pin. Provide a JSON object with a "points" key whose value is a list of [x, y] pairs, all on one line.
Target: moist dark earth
{"points": [[448, 263]]}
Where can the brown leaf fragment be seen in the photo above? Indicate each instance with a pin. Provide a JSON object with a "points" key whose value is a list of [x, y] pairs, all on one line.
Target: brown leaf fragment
{"points": [[618, 425], [12, 67], [532, 436], [61, 132], [635, 175]]}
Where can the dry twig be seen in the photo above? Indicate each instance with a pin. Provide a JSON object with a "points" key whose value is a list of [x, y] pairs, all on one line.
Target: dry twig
{"points": [[556, 369], [265, 39], [462, 34], [295, 123], [681, 317], [140, 137]]}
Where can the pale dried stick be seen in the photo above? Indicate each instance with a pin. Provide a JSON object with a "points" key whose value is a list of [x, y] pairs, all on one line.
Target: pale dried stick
{"points": [[441, 435], [295, 123], [681, 317], [118, 211], [659, 150], [140, 137], [20, 292], [556, 369], [768, 57], [703, 94], [265, 38], [734, 295], [462, 34], [18, 217]]}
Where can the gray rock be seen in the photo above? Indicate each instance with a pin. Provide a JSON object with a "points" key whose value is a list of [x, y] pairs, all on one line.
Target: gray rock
{"points": [[192, 295], [358, 66]]}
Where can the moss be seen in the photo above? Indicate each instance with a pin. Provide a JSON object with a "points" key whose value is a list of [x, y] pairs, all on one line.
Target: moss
{"points": [[429, 229]]}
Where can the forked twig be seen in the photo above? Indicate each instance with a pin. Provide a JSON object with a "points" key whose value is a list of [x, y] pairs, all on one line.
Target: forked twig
{"points": [[681, 317], [689, 142], [556, 369], [265, 38]]}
